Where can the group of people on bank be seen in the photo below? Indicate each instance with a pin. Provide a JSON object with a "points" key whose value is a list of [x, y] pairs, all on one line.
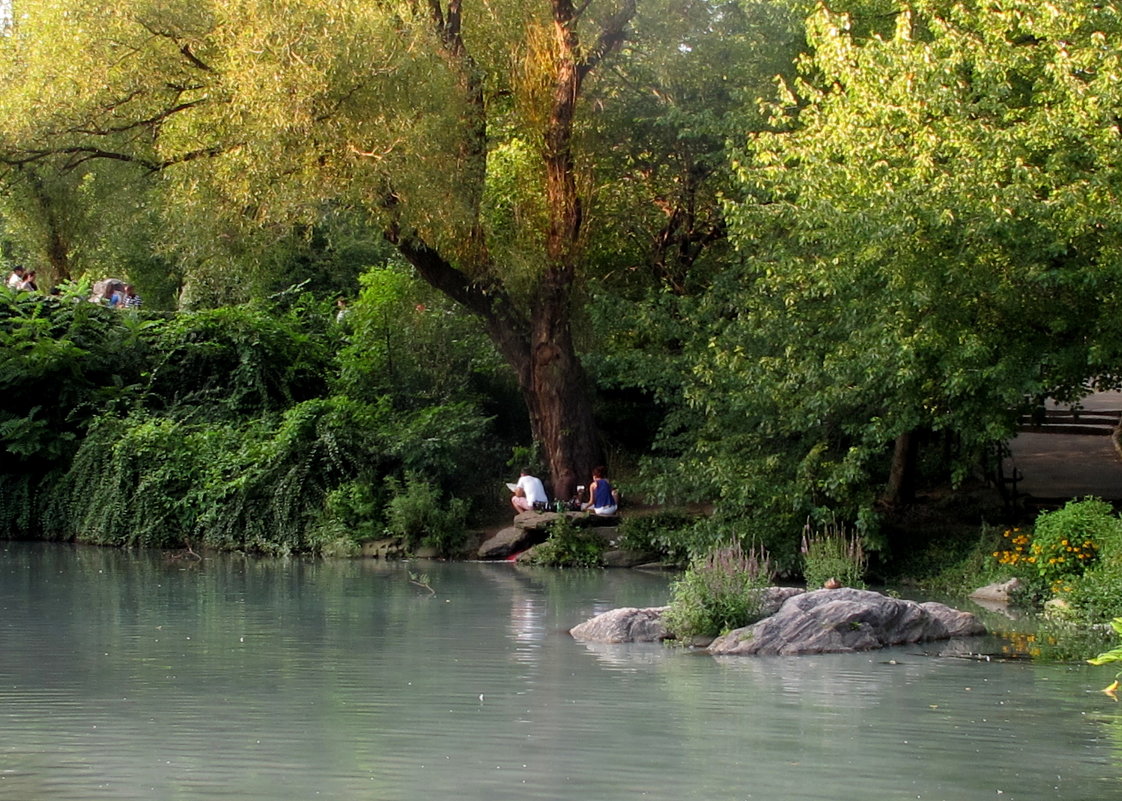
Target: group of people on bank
{"points": [[22, 280], [530, 494], [115, 294], [110, 292]]}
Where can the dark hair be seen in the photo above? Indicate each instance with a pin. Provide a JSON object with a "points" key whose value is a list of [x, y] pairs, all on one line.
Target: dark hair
{"points": [[598, 471]]}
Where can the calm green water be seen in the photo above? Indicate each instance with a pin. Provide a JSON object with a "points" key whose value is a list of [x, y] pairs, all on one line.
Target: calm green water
{"points": [[126, 676]]}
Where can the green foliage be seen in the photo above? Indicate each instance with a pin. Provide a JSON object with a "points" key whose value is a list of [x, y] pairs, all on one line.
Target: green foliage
{"points": [[569, 546], [718, 592], [1114, 655], [923, 248], [276, 484], [354, 510], [212, 428], [417, 513], [235, 361], [833, 552], [1072, 554], [1063, 546], [664, 533], [258, 485], [407, 341], [1096, 596], [60, 361], [1067, 541]]}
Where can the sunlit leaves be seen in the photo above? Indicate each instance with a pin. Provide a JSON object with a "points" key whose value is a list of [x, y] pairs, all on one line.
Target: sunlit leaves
{"points": [[933, 237]]}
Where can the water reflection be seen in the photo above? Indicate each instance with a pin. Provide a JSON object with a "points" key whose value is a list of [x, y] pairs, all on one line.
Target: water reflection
{"points": [[128, 676]]}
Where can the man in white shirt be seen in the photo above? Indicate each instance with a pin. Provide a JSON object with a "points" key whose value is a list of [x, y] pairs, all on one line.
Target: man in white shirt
{"points": [[527, 492], [15, 280]]}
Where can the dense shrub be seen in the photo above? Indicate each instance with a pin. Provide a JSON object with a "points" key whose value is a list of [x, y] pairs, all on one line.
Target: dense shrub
{"points": [[832, 552], [719, 592], [569, 546], [234, 362], [217, 428], [269, 484], [1079, 545], [418, 514], [1067, 541], [61, 362], [665, 534]]}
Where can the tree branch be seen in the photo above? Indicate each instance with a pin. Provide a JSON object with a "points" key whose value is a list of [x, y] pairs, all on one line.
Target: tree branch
{"points": [[144, 123], [489, 301], [611, 37]]}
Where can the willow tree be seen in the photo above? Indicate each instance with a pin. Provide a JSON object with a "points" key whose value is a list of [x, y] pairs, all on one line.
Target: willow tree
{"points": [[455, 129]]}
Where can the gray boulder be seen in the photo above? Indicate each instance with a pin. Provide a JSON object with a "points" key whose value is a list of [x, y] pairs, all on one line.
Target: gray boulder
{"points": [[509, 541], [774, 597], [846, 620], [623, 625], [536, 521], [998, 593]]}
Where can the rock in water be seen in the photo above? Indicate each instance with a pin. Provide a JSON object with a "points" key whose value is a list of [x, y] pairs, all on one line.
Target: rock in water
{"points": [[623, 625], [844, 620]]}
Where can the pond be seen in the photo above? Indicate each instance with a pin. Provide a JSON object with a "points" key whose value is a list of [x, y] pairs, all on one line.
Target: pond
{"points": [[143, 676]]}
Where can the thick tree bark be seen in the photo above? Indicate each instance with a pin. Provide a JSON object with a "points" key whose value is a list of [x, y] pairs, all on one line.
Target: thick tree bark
{"points": [[901, 476], [56, 244], [540, 350], [537, 344]]}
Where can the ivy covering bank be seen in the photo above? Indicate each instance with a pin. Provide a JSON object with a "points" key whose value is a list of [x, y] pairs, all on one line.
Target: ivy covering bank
{"points": [[246, 427]]}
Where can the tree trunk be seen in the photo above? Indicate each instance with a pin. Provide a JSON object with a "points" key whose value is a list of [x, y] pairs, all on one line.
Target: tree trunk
{"points": [[540, 350], [901, 476], [58, 255], [537, 343], [559, 401], [56, 244]]}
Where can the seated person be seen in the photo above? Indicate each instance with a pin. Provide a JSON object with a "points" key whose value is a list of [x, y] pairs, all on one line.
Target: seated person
{"points": [[527, 492], [603, 500]]}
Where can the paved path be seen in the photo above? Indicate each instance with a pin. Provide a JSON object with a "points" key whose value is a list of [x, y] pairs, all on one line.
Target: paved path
{"points": [[1062, 466]]}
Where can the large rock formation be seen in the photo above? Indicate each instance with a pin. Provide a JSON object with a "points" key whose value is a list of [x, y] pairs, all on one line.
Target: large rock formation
{"points": [[645, 625], [798, 622], [531, 528], [832, 621]]}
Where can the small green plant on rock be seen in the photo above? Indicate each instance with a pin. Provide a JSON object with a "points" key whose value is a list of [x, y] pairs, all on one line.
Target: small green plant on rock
{"points": [[568, 546], [833, 553], [719, 592]]}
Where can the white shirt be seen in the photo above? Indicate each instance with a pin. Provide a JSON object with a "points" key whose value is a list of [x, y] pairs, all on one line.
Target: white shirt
{"points": [[532, 487]]}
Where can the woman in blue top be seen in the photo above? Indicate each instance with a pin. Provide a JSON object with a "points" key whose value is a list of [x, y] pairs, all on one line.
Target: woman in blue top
{"points": [[603, 500]]}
